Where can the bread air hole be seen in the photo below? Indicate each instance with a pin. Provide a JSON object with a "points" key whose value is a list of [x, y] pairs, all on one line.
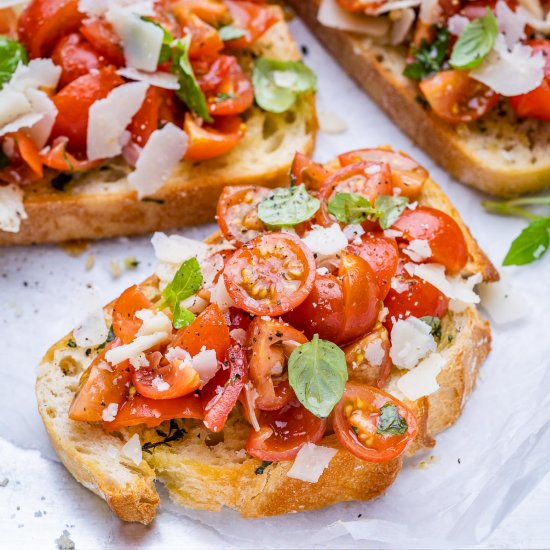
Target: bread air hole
{"points": [[70, 366]]}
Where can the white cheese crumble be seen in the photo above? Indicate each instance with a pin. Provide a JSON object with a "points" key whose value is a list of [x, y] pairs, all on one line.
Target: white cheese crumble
{"points": [[139, 345], [375, 352], [418, 250], [206, 364], [422, 380], [109, 412], [411, 341], [12, 210], [326, 241], [132, 450], [310, 462], [153, 321]]}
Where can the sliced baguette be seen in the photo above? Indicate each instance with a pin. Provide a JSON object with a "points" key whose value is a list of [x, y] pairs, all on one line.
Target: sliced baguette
{"points": [[101, 204], [208, 471], [500, 154]]}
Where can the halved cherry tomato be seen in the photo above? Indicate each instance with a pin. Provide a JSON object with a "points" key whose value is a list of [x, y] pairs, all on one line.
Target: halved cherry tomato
{"points": [[382, 254], [228, 90], [76, 57], [213, 12], [271, 274], [220, 395], [125, 322], [104, 39], [146, 120], [305, 170], [406, 173], [255, 19], [29, 152], [284, 432], [205, 40], [73, 103], [208, 141], [153, 412], [361, 6], [443, 234], [237, 212], [100, 385], [209, 329], [455, 97], [357, 424], [270, 344], [44, 22], [58, 158], [164, 379]]}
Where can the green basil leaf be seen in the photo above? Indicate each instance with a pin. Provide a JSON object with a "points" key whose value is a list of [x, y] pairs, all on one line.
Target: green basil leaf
{"points": [[476, 42], [317, 372], [167, 39], [531, 243], [435, 325], [390, 422], [429, 57], [189, 91], [277, 83], [181, 316], [12, 53], [288, 206], [231, 32], [350, 208], [389, 208]]}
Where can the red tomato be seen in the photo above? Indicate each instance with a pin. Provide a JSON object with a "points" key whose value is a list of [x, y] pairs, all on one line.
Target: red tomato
{"points": [[73, 104], [271, 274], [536, 103], [212, 11], [304, 170], [270, 344], [406, 173], [44, 22], [284, 432], [205, 40], [29, 152], [8, 22], [255, 19], [146, 120], [208, 141], [382, 254], [22, 154], [239, 319], [209, 329], [153, 412], [100, 385], [360, 6], [125, 322], [455, 97], [58, 158], [104, 39], [443, 234], [357, 421], [220, 395], [76, 57], [237, 212]]}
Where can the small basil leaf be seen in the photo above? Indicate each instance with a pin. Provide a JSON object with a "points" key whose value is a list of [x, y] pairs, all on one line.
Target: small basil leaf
{"points": [[389, 208], [476, 42], [11, 54], [429, 57], [435, 325], [189, 91], [288, 206], [317, 372], [167, 39], [350, 208], [231, 32], [277, 83], [182, 317], [390, 422], [530, 245]]}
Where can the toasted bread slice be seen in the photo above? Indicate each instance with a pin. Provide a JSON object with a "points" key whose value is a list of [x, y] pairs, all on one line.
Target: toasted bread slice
{"points": [[499, 154], [208, 471], [101, 204]]}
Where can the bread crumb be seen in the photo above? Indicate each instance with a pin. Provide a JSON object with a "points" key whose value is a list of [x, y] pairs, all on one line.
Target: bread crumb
{"points": [[331, 123], [75, 248], [64, 542], [4, 482], [90, 262], [115, 269], [131, 262]]}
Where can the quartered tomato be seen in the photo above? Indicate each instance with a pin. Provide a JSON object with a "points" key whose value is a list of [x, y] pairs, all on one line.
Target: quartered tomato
{"points": [[44, 22], [271, 274], [220, 395], [73, 103], [207, 141], [153, 412], [104, 39], [305, 170], [125, 322], [284, 432], [58, 158], [536, 103], [205, 40], [255, 19], [100, 385], [146, 120], [406, 173], [373, 425], [382, 254], [237, 212], [270, 344], [443, 234], [76, 57], [213, 12], [455, 97]]}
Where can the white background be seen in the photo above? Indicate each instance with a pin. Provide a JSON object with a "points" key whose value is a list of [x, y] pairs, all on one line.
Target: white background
{"points": [[39, 297]]}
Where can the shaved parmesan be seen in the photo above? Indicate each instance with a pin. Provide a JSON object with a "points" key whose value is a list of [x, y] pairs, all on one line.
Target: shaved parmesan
{"points": [[511, 24], [430, 11], [206, 364], [175, 249], [97, 8], [394, 5], [375, 352], [109, 118], [457, 23], [168, 81], [161, 154], [535, 18], [310, 462], [13, 105], [24, 121], [38, 73], [92, 330], [422, 380], [411, 341], [140, 344], [251, 395], [220, 296], [132, 449], [41, 104], [153, 322], [502, 303], [109, 412], [418, 250], [331, 15], [326, 241], [402, 23], [12, 210]]}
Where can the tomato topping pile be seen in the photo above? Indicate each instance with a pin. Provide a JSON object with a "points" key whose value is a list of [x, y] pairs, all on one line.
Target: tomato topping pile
{"points": [[286, 322]]}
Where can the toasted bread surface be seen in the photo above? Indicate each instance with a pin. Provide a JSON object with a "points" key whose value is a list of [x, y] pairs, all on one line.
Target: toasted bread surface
{"points": [[499, 154]]}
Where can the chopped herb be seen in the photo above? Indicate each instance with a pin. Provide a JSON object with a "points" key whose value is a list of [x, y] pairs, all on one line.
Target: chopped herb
{"points": [[435, 325], [429, 57], [260, 469], [390, 422], [71, 343], [110, 338], [12, 53], [175, 433]]}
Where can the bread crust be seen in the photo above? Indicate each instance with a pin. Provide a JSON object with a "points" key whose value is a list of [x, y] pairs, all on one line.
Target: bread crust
{"points": [[398, 97]]}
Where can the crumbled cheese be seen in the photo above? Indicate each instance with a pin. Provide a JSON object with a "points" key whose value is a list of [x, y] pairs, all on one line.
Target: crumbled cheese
{"points": [[177, 353], [153, 321], [12, 210], [331, 123], [332, 15], [383, 314], [411, 341], [393, 233], [310, 462], [160, 384], [139, 345], [139, 360], [502, 303], [98, 8], [326, 241], [92, 330], [132, 450], [422, 380], [168, 81], [220, 296], [322, 271], [38, 73], [239, 335], [42, 105], [206, 364], [418, 250], [375, 352], [511, 23], [353, 230], [109, 412], [399, 286]]}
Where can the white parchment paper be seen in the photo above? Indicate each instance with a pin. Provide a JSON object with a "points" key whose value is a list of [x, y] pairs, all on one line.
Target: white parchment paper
{"points": [[455, 496]]}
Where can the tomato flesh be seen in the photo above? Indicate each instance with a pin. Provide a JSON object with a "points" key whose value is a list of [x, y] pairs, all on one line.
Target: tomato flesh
{"points": [[104, 39], [254, 18], [305, 170], [147, 119], [125, 322]]}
